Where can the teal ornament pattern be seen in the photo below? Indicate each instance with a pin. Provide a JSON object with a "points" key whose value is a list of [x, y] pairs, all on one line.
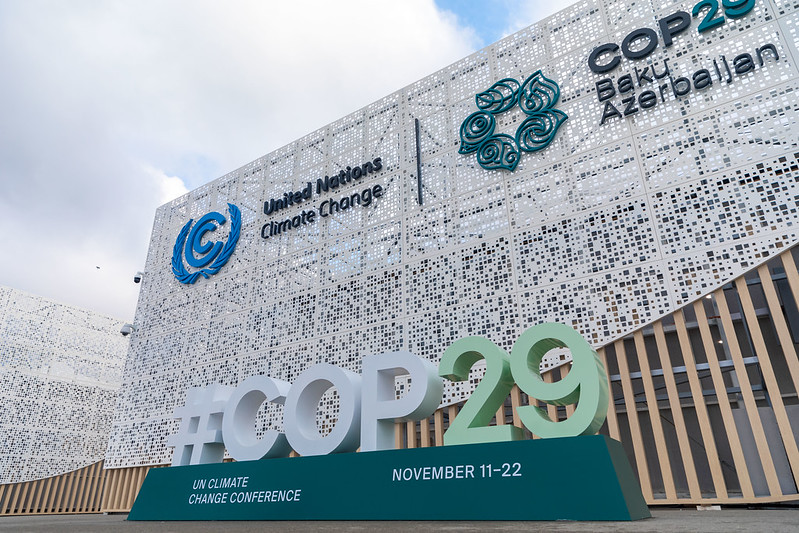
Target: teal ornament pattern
{"points": [[536, 97], [498, 151], [538, 130], [538, 94], [502, 96], [475, 130]]}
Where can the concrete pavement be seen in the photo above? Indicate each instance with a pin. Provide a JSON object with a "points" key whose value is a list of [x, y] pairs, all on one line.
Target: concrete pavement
{"points": [[663, 520]]}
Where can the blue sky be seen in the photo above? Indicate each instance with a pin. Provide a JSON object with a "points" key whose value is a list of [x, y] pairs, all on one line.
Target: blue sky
{"points": [[495, 19], [110, 109], [489, 18]]}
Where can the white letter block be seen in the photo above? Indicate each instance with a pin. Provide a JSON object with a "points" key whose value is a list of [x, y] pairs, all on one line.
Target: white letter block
{"points": [[199, 437], [238, 424], [299, 414], [379, 406]]}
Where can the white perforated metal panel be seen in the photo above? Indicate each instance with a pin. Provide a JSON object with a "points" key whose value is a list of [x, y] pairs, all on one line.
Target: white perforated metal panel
{"points": [[607, 229], [60, 369]]}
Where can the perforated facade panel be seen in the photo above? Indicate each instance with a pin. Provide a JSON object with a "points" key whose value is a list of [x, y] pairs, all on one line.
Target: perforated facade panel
{"points": [[611, 226], [60, 370]]}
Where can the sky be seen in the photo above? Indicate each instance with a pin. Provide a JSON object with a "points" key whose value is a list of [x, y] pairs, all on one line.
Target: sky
{"points": [[109, 109]]}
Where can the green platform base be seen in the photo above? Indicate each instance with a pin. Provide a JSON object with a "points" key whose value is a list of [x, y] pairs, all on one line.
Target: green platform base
{"points": [[576, 478]]}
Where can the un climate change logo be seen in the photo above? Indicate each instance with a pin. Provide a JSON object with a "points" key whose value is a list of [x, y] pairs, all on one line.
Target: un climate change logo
{"points": [[536, 97], [213, 255]]}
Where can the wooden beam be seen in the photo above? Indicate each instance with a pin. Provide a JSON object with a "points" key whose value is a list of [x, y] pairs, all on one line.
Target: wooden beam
{"points": [[730, 428], [654, 417], [632, 419], [711, 451], [746, 392], [675, 406]]}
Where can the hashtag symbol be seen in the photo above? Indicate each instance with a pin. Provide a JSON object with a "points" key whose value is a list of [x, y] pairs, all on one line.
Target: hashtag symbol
{"points": [[199, 437]]}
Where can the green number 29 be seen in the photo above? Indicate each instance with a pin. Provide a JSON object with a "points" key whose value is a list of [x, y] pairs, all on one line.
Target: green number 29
{"points": [[586, 384]]}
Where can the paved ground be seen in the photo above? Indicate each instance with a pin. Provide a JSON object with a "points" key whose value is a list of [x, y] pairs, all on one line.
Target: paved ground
{"points": [[663, 520]]}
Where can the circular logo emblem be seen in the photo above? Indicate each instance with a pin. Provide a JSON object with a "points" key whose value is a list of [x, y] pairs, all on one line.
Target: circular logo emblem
{"points": [[536, 97], [199, 255]]}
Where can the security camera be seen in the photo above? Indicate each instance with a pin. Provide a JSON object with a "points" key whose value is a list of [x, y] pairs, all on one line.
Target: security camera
{"points": [[127, 329], [137, 277]]}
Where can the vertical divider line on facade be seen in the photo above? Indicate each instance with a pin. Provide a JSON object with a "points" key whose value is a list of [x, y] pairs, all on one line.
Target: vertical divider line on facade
{"points": [[632, 419], [419, 197], [724, 401], [702, 415], [767, 370], [689, 467], [749, 398], [654, 417]]}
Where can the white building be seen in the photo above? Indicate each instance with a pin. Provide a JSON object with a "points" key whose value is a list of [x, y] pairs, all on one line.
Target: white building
{"points": [[673, 175], [60, 371]]}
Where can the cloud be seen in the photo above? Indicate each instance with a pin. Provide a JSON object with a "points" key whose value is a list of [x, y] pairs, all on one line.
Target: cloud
{"points": [[170, 187], [110, 109], [526, 12]]}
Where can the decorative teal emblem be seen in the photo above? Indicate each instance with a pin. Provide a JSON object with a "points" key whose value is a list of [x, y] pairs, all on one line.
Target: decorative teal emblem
{"points": [[536, 97], [214, 256]]}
